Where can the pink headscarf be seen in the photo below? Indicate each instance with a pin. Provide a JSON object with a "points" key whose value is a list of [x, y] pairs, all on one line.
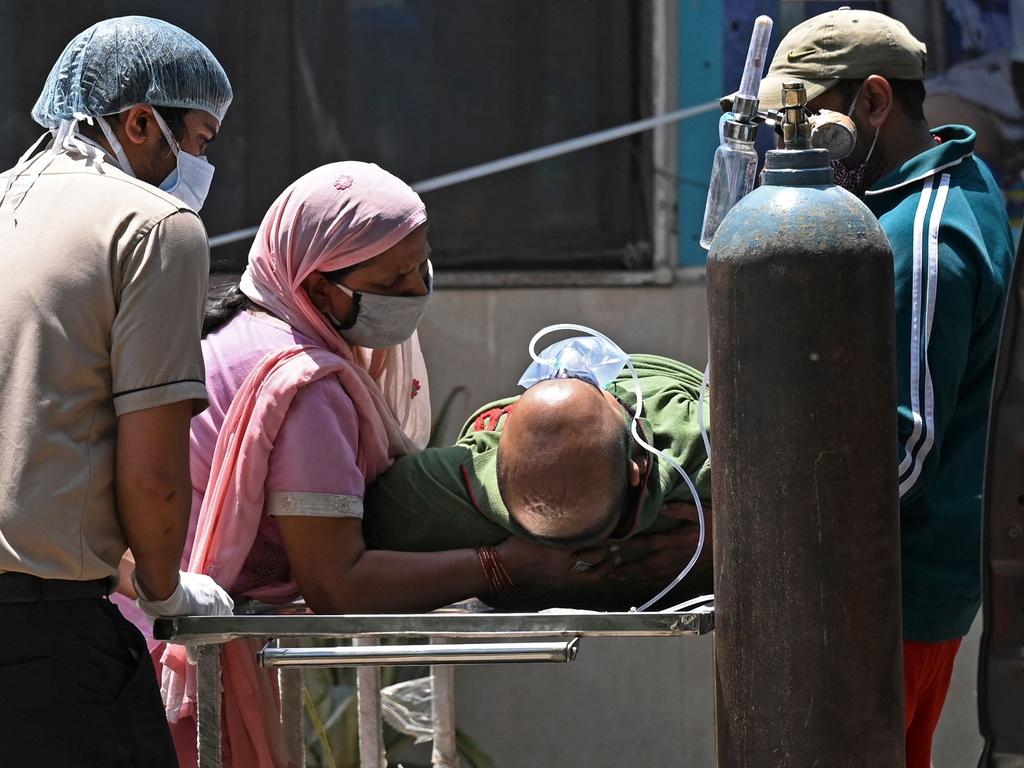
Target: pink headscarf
{"points": [[334, 217], [337, 216]]}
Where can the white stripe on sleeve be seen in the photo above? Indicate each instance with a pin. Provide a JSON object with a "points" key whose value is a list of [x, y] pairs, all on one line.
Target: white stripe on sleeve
{"points": [[933, 280], [915, 325]]}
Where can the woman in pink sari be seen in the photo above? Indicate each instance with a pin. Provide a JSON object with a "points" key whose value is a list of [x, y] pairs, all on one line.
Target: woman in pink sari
{"points": [[316, 384]]}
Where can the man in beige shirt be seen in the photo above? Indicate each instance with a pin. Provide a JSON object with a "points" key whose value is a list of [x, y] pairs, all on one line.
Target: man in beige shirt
{"points": [[106, 264]]}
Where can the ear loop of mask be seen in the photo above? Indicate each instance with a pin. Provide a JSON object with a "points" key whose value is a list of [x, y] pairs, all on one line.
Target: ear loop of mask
{"points": [[635, 432], [338, 327], [872, 149], [122, 158], [849, 113], [165, 129]]}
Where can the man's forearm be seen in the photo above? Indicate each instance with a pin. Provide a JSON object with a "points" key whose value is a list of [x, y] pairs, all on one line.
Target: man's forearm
{"points": [[154, 521], [154, 493]]}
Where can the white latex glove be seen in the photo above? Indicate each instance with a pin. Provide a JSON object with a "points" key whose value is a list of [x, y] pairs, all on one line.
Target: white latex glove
{"points": [[173, 691], [196, 595]]}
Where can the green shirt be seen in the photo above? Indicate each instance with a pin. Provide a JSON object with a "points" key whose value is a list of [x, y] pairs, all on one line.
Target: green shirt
{"points": [[447, 498]]}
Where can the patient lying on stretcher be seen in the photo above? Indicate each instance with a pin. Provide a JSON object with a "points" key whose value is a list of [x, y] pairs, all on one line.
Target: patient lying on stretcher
{"points": [[558, 465]]}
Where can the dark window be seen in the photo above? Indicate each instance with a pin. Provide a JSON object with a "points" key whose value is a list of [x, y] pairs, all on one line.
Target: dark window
{"points": [[425, 88], [422, 88]]}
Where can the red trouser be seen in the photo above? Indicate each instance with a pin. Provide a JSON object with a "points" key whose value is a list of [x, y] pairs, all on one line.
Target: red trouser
{"points": [[927, 668]]}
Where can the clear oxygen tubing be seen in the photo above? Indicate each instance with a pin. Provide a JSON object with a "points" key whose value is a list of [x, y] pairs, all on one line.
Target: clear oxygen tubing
{"points": [[702, 600], [705, 383], [635, 431]]}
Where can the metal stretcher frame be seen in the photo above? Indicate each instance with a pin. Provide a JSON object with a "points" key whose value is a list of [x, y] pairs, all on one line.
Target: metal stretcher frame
{"points": [[206, 633], [454, 624]]}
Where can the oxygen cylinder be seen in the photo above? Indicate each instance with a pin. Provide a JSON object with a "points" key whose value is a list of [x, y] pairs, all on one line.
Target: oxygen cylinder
{"points": [[808, 649]]}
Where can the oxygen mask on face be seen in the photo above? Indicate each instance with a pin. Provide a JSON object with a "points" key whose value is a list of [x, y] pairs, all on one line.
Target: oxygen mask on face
{"points": [[599, 360], [589, 358]]}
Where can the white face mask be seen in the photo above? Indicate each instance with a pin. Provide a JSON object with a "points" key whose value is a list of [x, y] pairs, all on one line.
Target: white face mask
{"points": [[189, 182]]}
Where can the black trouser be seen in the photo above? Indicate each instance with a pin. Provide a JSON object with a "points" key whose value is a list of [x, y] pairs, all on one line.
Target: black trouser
{"points": [[77, 689]]}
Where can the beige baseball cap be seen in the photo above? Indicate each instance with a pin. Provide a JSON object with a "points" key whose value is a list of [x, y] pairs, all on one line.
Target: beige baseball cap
{"points": [[842, 45]]}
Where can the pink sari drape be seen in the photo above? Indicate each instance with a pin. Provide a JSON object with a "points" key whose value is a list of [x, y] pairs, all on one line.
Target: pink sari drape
{"points": [[334, 217], [230, 516]]}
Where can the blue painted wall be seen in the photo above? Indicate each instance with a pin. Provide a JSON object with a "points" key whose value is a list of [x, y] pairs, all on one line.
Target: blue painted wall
{"points": [[712, 45], [700, 80], [736, 28]]}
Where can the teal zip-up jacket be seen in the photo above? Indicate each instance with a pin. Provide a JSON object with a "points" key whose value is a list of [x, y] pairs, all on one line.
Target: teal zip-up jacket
{"points": [[946, 222]]}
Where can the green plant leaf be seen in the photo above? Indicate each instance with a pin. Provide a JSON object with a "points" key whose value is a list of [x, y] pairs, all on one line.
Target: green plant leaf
{"points": [[318, 726], [470, 750], [348, 733], [437, 428]]}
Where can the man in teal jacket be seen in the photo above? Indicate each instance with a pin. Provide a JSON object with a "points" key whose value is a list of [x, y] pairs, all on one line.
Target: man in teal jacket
{"points": [[947, 225]]}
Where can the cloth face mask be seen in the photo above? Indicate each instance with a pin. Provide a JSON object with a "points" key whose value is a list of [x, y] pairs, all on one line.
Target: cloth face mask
{"points": [[852, 179], [384, 321]]}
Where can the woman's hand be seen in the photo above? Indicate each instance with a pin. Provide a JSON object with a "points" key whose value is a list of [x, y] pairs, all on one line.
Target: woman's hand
{"points": [[534, 564], [657, 558]]}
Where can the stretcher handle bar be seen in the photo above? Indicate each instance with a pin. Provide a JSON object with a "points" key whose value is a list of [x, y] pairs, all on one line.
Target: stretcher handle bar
{"points": [[522, 158], [418, 655]]}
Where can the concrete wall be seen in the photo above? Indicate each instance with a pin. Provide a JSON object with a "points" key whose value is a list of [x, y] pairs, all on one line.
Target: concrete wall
{"points": [[620, 704], [642, 703], [478, 338], [623, 702]]}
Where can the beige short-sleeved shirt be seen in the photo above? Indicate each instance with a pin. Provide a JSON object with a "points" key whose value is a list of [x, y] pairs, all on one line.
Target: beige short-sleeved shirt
{"points": [[101, 304]]}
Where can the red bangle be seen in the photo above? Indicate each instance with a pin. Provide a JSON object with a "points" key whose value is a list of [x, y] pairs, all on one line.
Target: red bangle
{"points": [[500, 567], [484, 564], [494, 570]]}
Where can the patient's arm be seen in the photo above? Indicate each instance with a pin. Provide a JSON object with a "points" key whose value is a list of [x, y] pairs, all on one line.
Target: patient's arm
{"points": [[657, 558], [337, 574]]}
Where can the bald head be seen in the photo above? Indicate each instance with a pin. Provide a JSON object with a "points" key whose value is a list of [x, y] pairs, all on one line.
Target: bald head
{"points": [[562, 462]]}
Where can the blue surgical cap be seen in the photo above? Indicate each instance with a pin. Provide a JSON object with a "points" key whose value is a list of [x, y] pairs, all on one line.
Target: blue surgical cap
{"points": [[118, 63]]}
